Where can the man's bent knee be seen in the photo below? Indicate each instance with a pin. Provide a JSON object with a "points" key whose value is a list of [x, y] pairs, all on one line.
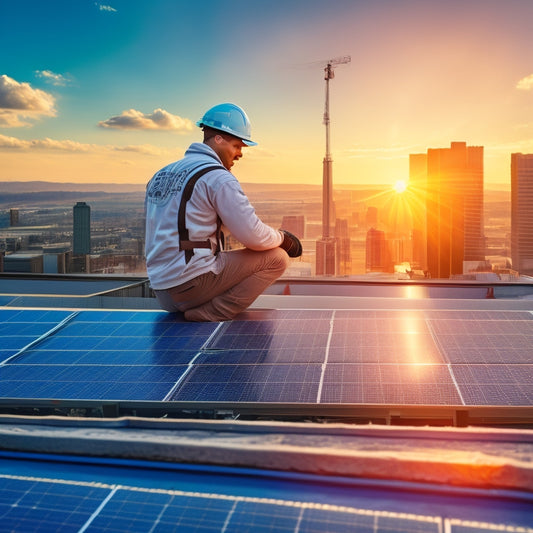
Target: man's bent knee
{"points": [[280, 259]]}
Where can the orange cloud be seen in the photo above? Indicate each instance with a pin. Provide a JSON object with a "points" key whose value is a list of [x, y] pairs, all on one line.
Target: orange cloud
{"points": [[525, 84], [13, 143], [160, 119]]}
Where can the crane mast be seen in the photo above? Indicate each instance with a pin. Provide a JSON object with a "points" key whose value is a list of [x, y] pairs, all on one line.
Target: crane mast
{"points": [[327, 171]]}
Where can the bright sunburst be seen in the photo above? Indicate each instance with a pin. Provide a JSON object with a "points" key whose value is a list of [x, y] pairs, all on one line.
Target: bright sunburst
{"points": [[400, 186]]}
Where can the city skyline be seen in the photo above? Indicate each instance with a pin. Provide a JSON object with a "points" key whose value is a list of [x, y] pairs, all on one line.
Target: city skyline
{"points": [[109, 91]]}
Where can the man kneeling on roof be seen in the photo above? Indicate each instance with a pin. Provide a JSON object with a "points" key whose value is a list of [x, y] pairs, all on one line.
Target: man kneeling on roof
{"points": [[186, 204]]}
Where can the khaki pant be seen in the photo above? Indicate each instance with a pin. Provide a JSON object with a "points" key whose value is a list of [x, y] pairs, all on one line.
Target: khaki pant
{"points": [[245, 274]]}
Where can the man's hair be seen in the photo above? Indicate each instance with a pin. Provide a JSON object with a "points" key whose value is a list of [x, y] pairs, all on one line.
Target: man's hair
{"points": [[209, 133]]}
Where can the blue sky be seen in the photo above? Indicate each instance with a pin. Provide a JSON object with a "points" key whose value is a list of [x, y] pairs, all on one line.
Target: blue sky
{"points": [[109, 91]]}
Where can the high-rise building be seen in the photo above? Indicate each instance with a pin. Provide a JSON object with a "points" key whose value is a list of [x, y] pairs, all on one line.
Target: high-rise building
{"points": [[295, 224], [377, 257], [344, 255], [13, 217], [417, 183], [522, 213], [81, 239], [371, 218], [454, 207], [326, 253]]}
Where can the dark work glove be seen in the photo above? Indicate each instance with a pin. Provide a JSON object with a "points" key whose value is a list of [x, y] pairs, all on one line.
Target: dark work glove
{"points": [[291, 244]]}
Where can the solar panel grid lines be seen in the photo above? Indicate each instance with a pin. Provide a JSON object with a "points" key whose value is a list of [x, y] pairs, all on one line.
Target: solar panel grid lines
{"points": [[496, 384], [48, 504], [79, 359], [468, 526], [326, 359], [250, 383], [278, 360], [17, 343], [413, 357]]}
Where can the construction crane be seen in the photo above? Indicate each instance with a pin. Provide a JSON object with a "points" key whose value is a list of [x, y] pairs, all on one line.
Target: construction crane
{"points": [[327, 180]]}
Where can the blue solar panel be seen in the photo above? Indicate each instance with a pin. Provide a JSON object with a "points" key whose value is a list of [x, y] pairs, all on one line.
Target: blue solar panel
{"points": [[141, 511], [100, 355], [444, 357], [389, 384], [250, 383], [317, 520], [19, 329], [40, 505], [495, 384], [486, 340], [46, 506], [459, 526]]}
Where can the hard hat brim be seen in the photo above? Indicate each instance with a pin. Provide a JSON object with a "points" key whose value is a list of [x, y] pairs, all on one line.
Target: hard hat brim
{"points": [[247, 142]]}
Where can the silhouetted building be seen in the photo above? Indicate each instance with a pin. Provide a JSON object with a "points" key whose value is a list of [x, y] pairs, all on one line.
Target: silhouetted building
{"points": [[81, 239], [295, 224], [454, 207], [13, 217], [398, 249], [377, 257], [325, 256], [522, 213], [371, 218], [417, 184], [344, 255], [417, 248]]}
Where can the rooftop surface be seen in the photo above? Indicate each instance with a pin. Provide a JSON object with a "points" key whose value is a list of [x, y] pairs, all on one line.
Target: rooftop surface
{"points": [[317, 409]]}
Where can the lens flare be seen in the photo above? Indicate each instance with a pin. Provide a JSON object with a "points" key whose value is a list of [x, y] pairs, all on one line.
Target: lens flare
{"points": [[400, 186]]}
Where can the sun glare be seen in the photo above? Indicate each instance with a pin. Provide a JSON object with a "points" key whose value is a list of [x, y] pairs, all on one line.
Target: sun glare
{"points": [[400, 186]]}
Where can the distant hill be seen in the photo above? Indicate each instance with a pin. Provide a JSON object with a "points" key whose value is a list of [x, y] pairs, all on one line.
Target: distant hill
{"points": [[12, 187], [55, 197], [49, 186]]}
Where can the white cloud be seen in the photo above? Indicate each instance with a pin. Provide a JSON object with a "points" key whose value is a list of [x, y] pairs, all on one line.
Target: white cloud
{"points": [[20, 100], [14, 143], [160, 119], [103, 7], [525, 84], [53, 78]]}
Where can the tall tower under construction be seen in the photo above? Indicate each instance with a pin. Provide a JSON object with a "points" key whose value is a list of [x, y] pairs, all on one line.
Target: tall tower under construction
{"points": [[326, 248]]}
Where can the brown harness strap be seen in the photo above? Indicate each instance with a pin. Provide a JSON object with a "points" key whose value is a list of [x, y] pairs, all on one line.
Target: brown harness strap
{"points": [[187, 245]]}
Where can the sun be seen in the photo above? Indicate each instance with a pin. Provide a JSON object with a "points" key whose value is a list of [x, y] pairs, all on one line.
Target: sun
{"points": [[400, 186]]}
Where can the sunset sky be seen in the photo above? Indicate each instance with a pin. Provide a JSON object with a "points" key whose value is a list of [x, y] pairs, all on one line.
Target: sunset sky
{"points": [[110, 91]]}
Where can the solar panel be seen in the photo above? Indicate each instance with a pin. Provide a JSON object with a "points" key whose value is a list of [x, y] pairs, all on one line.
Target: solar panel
{"points": [[40, 505], [165, 498], [117, 355], [407, 357], [251, 383], [21, 328], [389, 384], [498, 384], [509, 338]]}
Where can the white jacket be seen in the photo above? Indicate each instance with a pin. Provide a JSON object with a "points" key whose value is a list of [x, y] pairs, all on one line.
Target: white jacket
{"points": [[217, 192]]}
